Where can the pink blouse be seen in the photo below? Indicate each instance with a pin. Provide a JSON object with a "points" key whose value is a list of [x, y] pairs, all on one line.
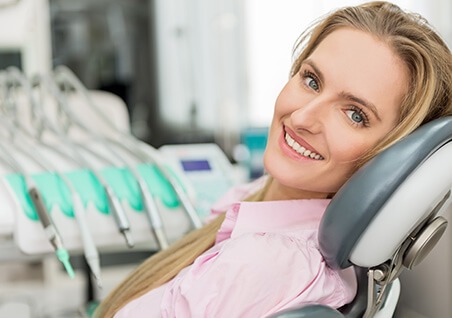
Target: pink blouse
{"points": [[265, 259]]}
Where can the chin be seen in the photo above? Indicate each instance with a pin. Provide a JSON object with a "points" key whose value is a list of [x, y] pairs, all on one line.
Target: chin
{"points": [[305, 182]]}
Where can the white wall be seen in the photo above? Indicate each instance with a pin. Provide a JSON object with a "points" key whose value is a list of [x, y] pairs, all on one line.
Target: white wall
{"points": [[25, 27], [200, 56]]}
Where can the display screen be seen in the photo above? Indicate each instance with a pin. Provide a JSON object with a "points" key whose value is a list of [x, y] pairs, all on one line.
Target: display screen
{"points": [[195, 165]]}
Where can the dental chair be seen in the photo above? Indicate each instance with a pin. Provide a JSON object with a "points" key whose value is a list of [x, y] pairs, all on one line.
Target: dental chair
{"points": [[386, 218]]}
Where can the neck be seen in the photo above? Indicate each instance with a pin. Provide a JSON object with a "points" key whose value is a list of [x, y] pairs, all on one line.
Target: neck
{"points": [[275, 191]]}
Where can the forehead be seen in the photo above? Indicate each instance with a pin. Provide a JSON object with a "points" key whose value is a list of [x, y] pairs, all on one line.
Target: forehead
{"points": [[357, 62]]}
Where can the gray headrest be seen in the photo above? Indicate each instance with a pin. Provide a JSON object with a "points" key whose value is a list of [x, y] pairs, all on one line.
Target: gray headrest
{"points": [[359, 201]]}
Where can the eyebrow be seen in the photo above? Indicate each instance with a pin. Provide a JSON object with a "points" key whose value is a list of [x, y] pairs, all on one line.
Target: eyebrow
{"points": [[361, 101], [345, 95]]}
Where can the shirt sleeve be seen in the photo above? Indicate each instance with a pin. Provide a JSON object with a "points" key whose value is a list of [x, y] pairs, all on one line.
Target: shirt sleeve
{"points": [[253, 275]]}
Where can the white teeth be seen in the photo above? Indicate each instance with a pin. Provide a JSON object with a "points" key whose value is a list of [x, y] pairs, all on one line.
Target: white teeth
{"points": [[302, 150]]}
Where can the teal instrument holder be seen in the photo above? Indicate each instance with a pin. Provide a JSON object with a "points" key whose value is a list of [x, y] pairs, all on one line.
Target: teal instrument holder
{"points": [[158, 185], [124, 185], [55, 191], [89, 188], [17, 183]]}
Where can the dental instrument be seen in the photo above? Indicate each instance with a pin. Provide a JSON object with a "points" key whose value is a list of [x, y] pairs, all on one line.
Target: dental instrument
{"points": [[65, 77], [14, 126], [51, 231], [43, 123], [115, 206], [116, 209], [150, 206], [90, 251]]}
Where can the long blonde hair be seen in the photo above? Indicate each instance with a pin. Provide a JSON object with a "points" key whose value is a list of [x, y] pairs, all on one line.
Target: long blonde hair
{"points": [[429, 62]]}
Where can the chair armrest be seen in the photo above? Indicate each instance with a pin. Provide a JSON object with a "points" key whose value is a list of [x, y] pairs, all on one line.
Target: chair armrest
{"points": [[309, 311]]}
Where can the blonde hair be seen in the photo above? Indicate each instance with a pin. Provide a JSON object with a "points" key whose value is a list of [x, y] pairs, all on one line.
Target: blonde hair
{"points": [[430, 65]]}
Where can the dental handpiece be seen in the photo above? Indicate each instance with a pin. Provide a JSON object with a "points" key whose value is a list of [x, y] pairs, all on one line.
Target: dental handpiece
{"points": [[153, 215], [149, 206], [184, 200], [180, 192], [50, 230], [49, 227], [90, 250], [119, 216]]}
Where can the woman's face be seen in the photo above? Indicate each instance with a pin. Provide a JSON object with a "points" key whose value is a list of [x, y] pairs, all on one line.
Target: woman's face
{"points": [[345, 98]]}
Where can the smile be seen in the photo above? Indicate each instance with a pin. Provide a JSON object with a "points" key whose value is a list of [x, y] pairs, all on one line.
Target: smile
{"points": [[300, 149]]}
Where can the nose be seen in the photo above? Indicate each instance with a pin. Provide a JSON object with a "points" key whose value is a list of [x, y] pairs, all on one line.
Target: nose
{"points": [[310, 116]]}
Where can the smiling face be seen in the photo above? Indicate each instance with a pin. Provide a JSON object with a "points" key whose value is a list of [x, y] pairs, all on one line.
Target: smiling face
{"points": [[345, 98]]}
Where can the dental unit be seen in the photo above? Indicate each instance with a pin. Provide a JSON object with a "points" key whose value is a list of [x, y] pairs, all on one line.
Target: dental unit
{"points": [[51, 232], [90, 251], [115, 206], [125, 140], [150, 207]]}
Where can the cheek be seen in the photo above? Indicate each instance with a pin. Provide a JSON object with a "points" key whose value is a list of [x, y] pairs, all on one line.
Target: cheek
{"points": [[349, 152], [274, 131], [281, 110], [345, 164], [347, 148]]}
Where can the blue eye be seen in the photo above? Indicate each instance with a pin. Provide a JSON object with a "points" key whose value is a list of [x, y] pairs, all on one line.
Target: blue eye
{"points": [[310, 80], [357, 116], [312, 83]]}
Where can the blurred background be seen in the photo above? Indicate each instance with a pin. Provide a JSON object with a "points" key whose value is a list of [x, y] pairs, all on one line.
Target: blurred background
{"points": [[189, 71]]}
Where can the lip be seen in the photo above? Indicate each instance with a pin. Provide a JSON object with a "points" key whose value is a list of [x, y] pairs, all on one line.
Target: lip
{"points": [[299, 140], [290, 152]]}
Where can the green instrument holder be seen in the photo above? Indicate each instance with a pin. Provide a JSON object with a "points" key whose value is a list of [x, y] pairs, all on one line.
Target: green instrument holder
{"points": [[55, 191], [89, 188], [17, 184]]}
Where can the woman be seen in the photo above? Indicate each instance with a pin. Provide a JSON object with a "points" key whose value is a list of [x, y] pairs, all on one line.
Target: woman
{"points": [[365, 77]]}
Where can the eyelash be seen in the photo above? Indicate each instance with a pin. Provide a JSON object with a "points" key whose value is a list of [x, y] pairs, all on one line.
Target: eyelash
{"points": [[308, 74], [362, 113]]}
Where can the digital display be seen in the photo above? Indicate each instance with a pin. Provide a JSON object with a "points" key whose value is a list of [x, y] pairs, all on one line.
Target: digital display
{"points": [[196, 165]]}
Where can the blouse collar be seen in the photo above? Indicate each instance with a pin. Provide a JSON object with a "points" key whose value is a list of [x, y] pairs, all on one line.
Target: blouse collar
{"points": [[272, 216]]}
